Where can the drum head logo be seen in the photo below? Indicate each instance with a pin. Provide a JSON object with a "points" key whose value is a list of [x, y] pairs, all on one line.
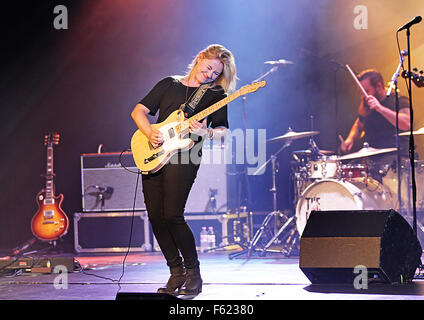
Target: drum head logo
{"points": [[312, 204]]}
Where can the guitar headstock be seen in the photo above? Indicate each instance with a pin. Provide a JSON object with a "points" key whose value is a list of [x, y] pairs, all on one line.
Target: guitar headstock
{"points": [[417, 78], [252, 87], [51, 138]]}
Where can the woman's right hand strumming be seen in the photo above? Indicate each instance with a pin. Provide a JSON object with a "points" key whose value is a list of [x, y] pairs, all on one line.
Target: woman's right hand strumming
{"points": [[139, 116], [155, 137]]}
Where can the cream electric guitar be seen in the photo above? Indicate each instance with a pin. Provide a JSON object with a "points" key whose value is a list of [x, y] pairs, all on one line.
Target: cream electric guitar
{"points": [[175, 129]]}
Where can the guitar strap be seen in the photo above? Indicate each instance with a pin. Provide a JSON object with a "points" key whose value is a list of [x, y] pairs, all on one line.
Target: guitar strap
{"points": [[189, 107]]}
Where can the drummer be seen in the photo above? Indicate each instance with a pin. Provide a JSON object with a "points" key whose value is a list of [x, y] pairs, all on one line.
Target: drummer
{"points": [[376, 119]]}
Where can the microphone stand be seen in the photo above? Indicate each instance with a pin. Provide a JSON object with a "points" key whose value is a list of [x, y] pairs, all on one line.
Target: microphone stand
{"points": [[336, 66], [395, 85], [246, 180], [411, 137], [273, 69]]}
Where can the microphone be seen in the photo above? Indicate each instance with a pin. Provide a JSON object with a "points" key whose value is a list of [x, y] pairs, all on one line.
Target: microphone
{"points": [[416, 20], [403, 53], [279, 62], [295, 157], [314, 147]]}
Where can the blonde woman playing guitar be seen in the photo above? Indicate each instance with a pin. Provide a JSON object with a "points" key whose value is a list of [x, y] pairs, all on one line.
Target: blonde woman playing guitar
{"points": [[166, 180]]}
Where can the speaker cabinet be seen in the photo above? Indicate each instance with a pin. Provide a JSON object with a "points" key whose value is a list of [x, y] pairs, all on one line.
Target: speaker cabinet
{"points": [[335, 242], [108, 182], [111, 232]]}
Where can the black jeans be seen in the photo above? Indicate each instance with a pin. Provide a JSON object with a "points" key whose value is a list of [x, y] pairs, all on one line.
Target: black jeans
{"points": [[165, 194]]}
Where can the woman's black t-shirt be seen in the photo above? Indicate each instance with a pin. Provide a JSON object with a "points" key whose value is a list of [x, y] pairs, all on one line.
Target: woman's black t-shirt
{"points": [[169, 93]]}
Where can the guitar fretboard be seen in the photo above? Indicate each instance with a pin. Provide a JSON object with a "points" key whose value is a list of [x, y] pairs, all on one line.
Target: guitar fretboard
{"points": [[204, 113], [49, 176], [216, 106], [183, 126]]}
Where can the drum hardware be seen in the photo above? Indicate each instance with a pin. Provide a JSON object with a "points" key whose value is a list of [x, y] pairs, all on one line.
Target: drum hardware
{"points": [[353, 171], [275, 214], [299, 176], [321, 165], [241, 234], [314, 148], [390, 180], [324, 167]]}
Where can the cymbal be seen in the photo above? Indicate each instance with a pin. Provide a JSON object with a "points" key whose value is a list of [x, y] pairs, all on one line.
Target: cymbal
{"points": [[417, 132], [293, 135], [308, 152], [366, 151], [326, 152]]}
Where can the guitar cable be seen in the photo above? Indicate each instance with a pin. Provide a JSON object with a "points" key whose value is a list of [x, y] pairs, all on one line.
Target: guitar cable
{"points": [[131, 227], [132, 216]]}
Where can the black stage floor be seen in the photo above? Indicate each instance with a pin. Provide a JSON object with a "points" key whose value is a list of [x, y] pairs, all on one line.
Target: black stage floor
{"points": [[273, 277]]}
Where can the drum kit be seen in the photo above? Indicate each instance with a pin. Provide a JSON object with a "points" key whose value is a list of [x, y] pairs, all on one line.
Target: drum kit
{"points": [[325, 181]]}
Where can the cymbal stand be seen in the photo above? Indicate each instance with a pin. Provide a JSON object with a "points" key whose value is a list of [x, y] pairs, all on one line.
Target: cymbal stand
{"points": [[274, 214]]}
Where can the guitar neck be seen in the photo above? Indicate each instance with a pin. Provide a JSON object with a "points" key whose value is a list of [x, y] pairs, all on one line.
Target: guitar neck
{"points": [[49, 176], [216, 106]]}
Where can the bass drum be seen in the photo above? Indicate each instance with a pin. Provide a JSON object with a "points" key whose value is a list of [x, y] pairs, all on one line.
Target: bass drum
{"points": [[331, 194]]}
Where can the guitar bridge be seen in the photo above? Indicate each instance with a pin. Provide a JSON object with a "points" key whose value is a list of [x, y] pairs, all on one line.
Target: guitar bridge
{"points": [[152, 147], [153, 157], [48, 214]]}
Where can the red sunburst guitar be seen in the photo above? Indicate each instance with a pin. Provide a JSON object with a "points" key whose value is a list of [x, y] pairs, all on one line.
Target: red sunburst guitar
{"points": [[49, 222]]}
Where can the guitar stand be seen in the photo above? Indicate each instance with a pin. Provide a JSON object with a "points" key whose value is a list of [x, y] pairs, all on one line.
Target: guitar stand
{"points": [[50, 248], [20, 250]]}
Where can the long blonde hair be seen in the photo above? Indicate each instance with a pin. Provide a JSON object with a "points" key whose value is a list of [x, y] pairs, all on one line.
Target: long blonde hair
{"points": [[228, 78]]}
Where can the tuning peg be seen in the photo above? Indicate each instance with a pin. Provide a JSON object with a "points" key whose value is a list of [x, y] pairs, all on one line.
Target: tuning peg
{"points": [[421, 71], [415, 69]]}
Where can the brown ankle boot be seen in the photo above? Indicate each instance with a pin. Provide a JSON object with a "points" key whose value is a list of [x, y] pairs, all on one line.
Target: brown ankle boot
{"points": [[175, 281], [193, 284]]}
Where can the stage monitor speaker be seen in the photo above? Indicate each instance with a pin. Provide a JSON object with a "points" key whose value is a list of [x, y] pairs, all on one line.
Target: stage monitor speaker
{"points": [[335, 242], [108, 182]]}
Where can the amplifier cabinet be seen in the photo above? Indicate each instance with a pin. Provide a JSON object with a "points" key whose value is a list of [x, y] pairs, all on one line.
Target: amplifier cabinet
{"points": [[110, 231], [108, 182]]}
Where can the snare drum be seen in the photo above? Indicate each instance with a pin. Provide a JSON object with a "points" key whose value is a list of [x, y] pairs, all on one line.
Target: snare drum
{"points": [[331, 194], [353, 171], [324, 168]]}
